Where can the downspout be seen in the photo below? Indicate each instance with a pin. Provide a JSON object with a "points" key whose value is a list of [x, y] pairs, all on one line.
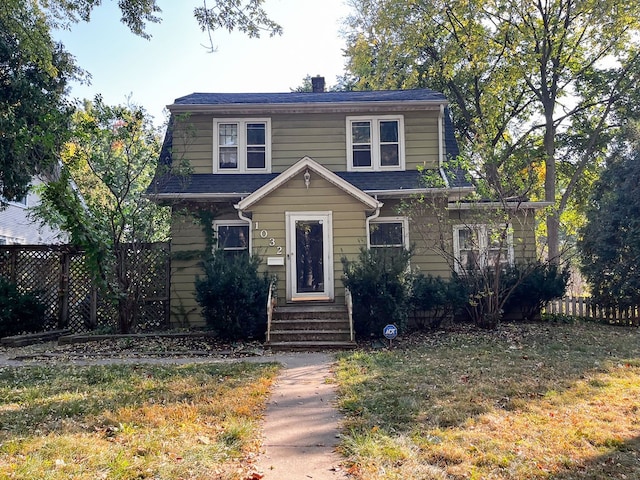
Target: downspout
{"points": [[250, 221], [373, 216], [441, 145]]}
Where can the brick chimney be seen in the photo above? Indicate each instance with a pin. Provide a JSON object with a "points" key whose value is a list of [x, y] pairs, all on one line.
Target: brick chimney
{"points": [[317, 84]]}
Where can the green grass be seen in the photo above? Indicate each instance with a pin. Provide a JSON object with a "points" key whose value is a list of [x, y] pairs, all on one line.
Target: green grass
{"points": [[532, 401], [131, 422]]}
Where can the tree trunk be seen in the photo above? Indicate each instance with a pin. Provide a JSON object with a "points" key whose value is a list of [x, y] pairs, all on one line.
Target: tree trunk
{"points": [[553, 221]]}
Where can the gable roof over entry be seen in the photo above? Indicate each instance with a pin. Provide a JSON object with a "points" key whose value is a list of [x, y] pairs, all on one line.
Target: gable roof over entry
{"points": [[304, 165]]}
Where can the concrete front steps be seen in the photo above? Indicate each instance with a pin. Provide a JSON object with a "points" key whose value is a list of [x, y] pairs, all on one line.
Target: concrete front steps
{"points": [[310, 326]]}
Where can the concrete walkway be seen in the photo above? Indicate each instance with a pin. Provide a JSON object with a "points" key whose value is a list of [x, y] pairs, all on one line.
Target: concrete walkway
{"points": [[301, 424]]}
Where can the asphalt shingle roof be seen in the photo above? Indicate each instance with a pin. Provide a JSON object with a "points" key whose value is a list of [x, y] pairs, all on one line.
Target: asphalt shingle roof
{"points": [[422, 94]]}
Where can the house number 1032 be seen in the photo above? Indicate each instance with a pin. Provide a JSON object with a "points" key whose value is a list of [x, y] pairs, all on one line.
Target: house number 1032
{"points": [[272, 241]]}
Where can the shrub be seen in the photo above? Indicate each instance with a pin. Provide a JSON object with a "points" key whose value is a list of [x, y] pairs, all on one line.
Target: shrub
{"points": [[537, 284], [233, 295], [379, 284], [19, 312], [438, 297]]}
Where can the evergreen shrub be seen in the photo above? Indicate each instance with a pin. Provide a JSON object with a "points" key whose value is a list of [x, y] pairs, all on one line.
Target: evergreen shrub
{"points": [[379, 282], [233, 296], [19, 312], [439, 298]]}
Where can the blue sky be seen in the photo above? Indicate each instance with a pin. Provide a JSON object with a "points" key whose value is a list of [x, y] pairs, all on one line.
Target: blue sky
{"points": [[175, 63]]}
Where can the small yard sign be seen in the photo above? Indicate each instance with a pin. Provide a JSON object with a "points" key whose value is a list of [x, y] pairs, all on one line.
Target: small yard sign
{"points": [[390, 331]]}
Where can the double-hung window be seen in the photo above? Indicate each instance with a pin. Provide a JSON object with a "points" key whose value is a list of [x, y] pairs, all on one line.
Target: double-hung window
{"points": [[375, 143], [232, 235], [389, 232], [242, 145], [477, 247]]}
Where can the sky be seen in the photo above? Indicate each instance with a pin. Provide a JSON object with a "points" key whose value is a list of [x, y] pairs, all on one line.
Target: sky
{"points": [[175, 62]]}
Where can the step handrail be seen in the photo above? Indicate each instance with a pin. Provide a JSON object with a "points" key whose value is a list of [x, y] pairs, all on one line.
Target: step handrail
{"points": [[349, 302], [270, 307]]}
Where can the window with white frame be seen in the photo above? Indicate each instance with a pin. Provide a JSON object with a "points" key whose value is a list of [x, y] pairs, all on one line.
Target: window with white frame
{"points": [[476, 247], [242, 145], [389, 232], [375, 143], [232, 235]]}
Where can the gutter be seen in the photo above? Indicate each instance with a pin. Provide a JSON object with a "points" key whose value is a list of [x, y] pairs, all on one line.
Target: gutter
{"points": [[321, 107], [441, 145], [493, 205], [453, 192]]}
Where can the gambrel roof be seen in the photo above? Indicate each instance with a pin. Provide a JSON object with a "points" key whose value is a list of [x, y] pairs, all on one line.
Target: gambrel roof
{"points": [[232, 186]]}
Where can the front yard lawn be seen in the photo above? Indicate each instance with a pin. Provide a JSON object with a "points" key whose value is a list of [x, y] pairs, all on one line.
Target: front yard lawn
{"points": [[131, 422], [532, 401]]}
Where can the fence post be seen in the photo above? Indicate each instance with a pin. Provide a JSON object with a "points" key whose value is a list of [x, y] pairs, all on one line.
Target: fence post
{"points": [[63, 293]]}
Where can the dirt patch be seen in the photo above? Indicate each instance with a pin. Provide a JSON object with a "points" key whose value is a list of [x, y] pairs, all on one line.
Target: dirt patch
{"points": [[132, 347]]}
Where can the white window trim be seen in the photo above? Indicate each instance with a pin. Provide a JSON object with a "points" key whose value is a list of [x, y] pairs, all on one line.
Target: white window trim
{"points": [[483, 243], [232, 223], [375, 142], [242, 145], [405, 231]]}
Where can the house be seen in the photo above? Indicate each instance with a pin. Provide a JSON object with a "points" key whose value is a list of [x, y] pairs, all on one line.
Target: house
{"points": [[303, 179], [18, 228]]}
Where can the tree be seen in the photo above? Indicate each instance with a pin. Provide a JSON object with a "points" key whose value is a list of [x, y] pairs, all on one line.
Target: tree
{"points": [[100, 198], [34, 72], [609, 242], [533, 84]]}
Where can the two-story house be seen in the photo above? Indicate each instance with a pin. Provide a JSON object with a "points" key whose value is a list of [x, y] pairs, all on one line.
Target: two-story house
{"points": [[303, 179]]}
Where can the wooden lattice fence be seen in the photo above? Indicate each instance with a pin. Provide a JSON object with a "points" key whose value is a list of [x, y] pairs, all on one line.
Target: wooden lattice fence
{"points": [[60, 275], [585, 307]]}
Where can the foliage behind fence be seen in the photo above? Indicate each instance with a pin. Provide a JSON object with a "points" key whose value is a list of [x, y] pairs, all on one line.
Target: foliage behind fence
{"points": [[62, 279], [585, 307]]}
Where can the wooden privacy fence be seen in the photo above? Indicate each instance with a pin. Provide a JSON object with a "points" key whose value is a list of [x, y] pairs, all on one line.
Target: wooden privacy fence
{"points": [[61, 276], [586, 308]]}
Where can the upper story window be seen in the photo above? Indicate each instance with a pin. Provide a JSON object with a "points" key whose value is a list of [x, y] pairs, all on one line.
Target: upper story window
{"points": [[389, 232], [375, 143], [242, 145], [476, 247]]}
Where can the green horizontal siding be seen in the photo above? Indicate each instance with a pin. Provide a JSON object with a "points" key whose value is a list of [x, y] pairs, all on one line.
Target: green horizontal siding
{"points": [[321, 136]]}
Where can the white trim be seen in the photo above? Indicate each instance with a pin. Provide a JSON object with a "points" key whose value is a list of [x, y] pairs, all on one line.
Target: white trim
{"points": [[242, 145], [233, 223], [375, 142], [494, 205], [398, 219], [326, 217], [311, 107], [482, 241], [302, 165]]}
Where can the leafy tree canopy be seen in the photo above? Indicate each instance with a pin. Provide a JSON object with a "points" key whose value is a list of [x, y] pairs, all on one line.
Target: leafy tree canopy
{"points": [[34, 72], [534, 85], [609, 242]]}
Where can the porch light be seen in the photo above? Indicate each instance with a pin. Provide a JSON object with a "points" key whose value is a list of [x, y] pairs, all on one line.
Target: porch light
{"points": [[307, 179]]}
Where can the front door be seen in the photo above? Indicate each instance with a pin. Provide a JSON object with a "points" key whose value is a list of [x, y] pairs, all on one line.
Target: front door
{"points": [[310, 256]]}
